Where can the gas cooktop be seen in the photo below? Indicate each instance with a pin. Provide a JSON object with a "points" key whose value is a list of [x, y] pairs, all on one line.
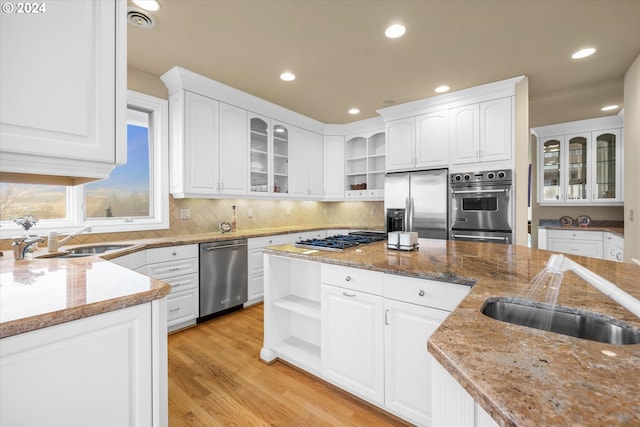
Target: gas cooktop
{"points": [[340, 242]]}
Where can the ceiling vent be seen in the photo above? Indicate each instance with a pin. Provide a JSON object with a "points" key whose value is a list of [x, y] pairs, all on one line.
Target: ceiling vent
{"points": [[139, 18]]}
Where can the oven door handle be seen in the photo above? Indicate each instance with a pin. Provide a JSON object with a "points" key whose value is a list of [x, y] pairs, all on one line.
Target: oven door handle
{"points": [[469, 236], [500, 190]]}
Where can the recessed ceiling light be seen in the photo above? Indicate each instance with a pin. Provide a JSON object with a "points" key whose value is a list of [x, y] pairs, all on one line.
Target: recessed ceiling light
{"points": [[151, 5], [287, 77], [442, 89], [609, 107], [354, 111], [395, 31], [583, 53]]}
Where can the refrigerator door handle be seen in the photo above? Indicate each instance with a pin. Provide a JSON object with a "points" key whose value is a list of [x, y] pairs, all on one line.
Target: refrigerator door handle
{"points": [[407, 214], [412, 207]]}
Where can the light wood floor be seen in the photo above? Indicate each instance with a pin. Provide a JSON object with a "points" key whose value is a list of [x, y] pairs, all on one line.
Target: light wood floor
{"points": [[216, 378]]}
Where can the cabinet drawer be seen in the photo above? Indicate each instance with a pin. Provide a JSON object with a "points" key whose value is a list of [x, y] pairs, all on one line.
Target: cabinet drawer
{"points": [[174, 268], [182, 283], [171, 253], [352, 278], [429, 293], [575, 235], [588, 248], [182, 307], [262, 242]]}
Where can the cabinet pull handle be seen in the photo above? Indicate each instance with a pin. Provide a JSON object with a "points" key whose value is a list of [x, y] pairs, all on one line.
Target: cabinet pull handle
{"points": [[386, 318], [421, 293], [176, 284], [174, 269], [348, 295], [174, 310], [348, 278]]}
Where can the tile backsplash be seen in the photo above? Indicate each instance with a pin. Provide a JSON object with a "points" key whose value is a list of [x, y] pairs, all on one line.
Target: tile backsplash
{"points": [[251, 214]]}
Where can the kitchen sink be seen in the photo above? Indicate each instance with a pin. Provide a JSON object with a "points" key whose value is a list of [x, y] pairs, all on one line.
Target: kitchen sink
{"points": [[562, 320], [88, 250]]}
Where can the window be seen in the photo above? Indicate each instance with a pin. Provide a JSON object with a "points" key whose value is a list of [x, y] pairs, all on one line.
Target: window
{"points": [[134, 197]]}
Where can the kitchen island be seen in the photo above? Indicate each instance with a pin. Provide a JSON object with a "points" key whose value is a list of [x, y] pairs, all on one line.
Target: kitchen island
{"points": [[518, 375], [84, 342]]}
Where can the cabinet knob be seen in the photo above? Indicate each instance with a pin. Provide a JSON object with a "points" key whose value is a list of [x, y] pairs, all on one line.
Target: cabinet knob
{"points": [[421, 293], [174, 253], [348, 278]]}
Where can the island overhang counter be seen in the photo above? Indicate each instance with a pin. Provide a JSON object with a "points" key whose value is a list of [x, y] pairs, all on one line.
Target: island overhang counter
{"points": [[520, 376]]}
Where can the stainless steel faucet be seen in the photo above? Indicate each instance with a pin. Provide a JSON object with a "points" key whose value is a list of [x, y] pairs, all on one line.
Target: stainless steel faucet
{"points": [[22, 244]]}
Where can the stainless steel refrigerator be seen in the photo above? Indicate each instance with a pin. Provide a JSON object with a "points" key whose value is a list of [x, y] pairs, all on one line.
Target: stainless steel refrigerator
{"points": [[418, 201]]}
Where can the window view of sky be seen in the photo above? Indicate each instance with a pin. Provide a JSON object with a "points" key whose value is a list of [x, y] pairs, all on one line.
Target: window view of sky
{"points": [[126, 192]]}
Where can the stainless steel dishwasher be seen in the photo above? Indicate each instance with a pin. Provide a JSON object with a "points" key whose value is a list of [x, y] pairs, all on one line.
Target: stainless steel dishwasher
{"points": [[223, 276]]}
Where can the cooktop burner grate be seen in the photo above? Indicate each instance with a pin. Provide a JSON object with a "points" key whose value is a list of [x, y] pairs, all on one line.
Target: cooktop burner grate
{"points": [[338, 242]]}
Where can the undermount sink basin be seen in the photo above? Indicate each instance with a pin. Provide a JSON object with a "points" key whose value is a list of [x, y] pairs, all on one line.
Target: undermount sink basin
{"points": [[88, 250], [562, 320]]}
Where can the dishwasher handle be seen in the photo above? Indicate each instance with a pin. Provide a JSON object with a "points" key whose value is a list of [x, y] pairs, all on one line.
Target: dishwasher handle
{"points": [[212, 246]]}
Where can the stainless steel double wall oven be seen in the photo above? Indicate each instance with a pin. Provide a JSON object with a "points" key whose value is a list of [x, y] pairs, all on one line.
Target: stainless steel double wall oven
{"points": [[481, 206]]}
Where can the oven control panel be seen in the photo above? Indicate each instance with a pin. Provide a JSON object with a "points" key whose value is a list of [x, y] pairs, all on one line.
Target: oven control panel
{"points": [[500, 175]]}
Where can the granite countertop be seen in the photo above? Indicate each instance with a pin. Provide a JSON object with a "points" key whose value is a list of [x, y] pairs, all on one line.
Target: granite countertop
{"points": [[45, 291], [615, 227], [37, 293], [521, 376]]}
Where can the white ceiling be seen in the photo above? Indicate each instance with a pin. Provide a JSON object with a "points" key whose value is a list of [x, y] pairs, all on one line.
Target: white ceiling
{"points": [[341, 58]]}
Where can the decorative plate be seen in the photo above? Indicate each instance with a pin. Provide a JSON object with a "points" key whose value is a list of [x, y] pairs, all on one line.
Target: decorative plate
{"points": [[225, 227], [566, 221], [583, 221]]}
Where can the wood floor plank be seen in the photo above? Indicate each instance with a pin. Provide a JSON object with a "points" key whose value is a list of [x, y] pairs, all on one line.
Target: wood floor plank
{"points": [[216, 378]]}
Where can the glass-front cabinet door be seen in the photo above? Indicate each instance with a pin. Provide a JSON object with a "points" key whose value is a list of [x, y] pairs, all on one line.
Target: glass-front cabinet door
{"points": [[280, 158], [551, 167], [259, 155], [578, 181], [580, 163], [269, 159], [606, 176]]}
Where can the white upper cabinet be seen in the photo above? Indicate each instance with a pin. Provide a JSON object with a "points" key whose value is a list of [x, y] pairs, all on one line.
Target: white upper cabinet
{"points": [[209, 146], [470, 128], [465, 134], [333, 168], [578, 165], [474, 133], [306, 164], [234, 150], [432, 140], [496, 133], [63, 97], [482, 132], [400, 144]]}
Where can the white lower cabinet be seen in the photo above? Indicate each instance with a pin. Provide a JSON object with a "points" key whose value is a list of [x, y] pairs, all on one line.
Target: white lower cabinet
{"points": [[576, 242], [178, 266], [452, 405], [292, 312], [362, 330], [352, 341], [613, 247], [104, 370], [407, 361], [255, 264]]}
